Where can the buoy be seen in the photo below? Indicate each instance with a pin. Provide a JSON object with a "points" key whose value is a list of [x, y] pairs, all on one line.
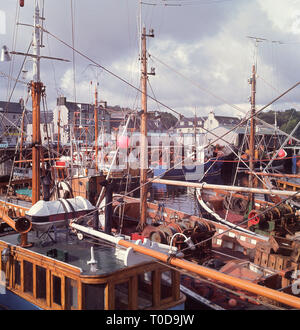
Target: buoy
{"points": [[123, 142], [282, 153], [254, 218]]}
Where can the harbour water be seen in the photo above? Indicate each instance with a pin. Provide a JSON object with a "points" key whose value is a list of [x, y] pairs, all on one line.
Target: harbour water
{"points": [[178, 198]]}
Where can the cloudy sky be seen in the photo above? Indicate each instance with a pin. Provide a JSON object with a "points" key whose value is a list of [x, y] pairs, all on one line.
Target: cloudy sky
{"points": [[201, 52]]}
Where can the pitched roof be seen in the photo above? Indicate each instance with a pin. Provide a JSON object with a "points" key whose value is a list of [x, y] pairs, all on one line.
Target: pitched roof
{"points": [[189, 122], [10, 107], [224, 120]]}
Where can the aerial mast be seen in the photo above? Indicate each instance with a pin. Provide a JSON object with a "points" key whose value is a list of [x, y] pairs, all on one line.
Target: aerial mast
{"points": [[36, 92], [96, 126], [252, 131], [143, 130]]}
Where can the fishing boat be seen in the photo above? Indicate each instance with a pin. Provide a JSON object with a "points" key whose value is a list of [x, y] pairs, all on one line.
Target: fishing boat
{"points": [[68, 273], [53, 274], [45, 266], [201, 241]]}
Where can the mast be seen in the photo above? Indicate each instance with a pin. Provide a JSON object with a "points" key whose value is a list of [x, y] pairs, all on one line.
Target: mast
{"points": [[252, 132], [58, 131], [36, 91], [96, 127], [143, 132], [195, 136], [22, 137]]}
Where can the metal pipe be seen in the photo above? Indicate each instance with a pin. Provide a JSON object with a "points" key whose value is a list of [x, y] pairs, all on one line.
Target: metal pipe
{"points": [[21, 225], [223, 187], [275, 175]]}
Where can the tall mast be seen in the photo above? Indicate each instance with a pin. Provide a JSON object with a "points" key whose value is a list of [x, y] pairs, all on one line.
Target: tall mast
{"points": [[195, 136], [58, 132], [36, 91], [252, 130], [143, 132], [96, 127], [22, 136]]}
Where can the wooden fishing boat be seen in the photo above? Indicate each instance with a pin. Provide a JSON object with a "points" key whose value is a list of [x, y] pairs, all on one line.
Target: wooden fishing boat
{"points": [[199, 240], [238, 253], [72, 274], [67, 273], [43, 267]]}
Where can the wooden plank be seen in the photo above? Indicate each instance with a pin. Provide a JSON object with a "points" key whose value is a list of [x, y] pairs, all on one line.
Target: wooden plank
{"points": [[79, 294], [133, 293]]}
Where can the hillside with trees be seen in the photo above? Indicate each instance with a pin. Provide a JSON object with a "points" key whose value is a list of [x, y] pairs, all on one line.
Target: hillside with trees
{"points": [[168, 119], [286, 120]]}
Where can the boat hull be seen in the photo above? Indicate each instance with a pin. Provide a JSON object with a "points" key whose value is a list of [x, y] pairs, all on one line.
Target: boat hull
{"points": [[11, 301]]}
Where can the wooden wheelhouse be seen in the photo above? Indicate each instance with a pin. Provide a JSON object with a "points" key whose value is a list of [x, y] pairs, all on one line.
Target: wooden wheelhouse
{"points": [[61, 279]]}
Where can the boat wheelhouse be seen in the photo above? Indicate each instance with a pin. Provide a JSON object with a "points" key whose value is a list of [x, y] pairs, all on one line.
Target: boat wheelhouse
{"points": [[71, 276]]}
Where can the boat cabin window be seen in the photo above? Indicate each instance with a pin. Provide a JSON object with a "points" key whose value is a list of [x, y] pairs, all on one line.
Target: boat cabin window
{"points": [[56, 289], [40, 282], [143, 287], [145, 290], [71, 294], [28, 277], [166, 285], [2, 278], [121, 296], [93, 296], [17, 272]]}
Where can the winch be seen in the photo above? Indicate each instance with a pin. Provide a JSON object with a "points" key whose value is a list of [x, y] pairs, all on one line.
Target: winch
{"points": [[187, 236], [278, 221]]}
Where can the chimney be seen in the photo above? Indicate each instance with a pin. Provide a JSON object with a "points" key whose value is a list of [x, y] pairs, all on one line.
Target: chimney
{"points": [[61, 100]]}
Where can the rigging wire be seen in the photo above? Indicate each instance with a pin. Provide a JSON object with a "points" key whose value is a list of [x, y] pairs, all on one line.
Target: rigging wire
{"points": [[217, 97], [110, 72], [164, 105], [15, 84], [14, 42], [73, 55]]}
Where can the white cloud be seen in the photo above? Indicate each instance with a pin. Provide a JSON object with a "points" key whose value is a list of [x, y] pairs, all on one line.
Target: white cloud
{"points": [[2, 22], [284, 15], [207, 44]]}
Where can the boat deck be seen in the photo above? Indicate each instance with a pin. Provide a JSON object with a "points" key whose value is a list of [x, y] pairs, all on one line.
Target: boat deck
{"points": [[69, 249], [15, 201]]}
